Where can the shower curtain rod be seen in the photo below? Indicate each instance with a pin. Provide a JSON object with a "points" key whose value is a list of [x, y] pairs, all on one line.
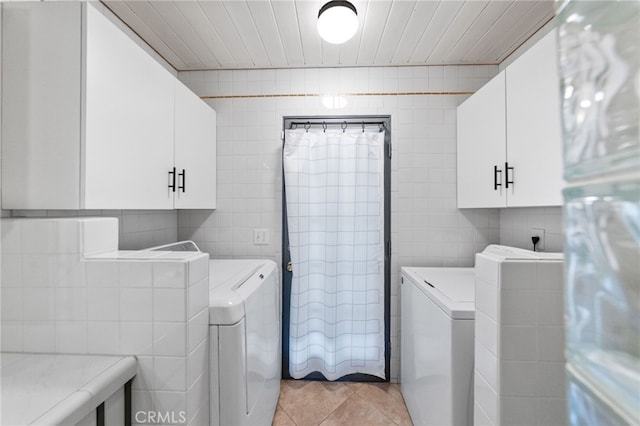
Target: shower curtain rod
{"points": [[343, 124]]}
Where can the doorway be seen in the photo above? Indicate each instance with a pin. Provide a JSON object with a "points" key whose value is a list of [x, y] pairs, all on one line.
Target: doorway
{"points": [[336, 248]]}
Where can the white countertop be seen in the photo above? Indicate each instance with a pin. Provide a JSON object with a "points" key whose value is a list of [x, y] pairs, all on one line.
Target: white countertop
{"points": [[146, 255], [54, 389], [506, 253]]}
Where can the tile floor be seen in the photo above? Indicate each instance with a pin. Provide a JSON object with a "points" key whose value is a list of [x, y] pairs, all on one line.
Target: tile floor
{"points": [[311, 403]]}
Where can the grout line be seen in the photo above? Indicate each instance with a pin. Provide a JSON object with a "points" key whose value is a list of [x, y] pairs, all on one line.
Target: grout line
{"points": [[338, 407], [286, 414], [298, 95]]}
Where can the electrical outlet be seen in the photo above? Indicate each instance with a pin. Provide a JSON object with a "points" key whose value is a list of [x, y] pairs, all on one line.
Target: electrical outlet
{"points": [[537, 232], [260, 236]]}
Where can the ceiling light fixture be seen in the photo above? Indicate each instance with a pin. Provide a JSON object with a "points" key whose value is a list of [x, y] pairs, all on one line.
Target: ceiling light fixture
{"points": [[337, 21]]}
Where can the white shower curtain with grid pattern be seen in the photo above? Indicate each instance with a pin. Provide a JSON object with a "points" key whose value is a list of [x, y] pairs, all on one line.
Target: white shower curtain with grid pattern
{"points": [[334, 185]]}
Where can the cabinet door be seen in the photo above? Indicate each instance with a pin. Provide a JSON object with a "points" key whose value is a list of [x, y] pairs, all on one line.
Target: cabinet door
{"points": [[195, 151], [481, 147], [128, 133], [41, 77], [534, 139]]}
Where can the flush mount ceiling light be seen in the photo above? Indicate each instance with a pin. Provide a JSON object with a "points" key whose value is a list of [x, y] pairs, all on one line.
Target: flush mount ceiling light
{"points": [[337, 21]]}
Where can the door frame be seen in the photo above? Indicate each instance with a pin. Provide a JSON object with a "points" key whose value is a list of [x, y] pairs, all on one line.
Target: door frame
{"points": [[289, 122]]}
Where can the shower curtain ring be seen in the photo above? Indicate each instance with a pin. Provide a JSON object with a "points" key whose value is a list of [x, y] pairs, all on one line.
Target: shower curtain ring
{"points": [[343, 126], [363, 127], [307, 127], [324, 127]]}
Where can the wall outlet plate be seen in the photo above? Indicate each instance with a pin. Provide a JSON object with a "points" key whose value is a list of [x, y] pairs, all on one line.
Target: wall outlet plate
{"points": [[260, 236], [537, 232]]}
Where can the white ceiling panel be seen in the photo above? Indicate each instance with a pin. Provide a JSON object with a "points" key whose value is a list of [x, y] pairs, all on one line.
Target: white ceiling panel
{"points": [[146, 12], [185, 31], [287, 20], [375, 20], [465, 17], [414, 30], [195, 16], [486, 19], [399, 15], [348, 52], [124, 12], [521, 29], [307, 13], [444, 15], [221, 22], [331, 53], [493, 48], [232, 34], [243, 22], [265, 21]]}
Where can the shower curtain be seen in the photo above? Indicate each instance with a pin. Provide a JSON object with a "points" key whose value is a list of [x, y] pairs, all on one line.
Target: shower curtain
{"points": [[334, 185]]}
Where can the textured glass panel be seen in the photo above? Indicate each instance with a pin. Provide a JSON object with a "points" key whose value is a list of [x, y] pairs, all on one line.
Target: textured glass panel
{"points": [[599, 56], [589, 409], [603, 285]]}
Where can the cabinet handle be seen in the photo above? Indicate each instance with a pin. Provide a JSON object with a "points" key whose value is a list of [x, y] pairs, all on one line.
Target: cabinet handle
{"points": [[495, 178], [184, 180], [172, 179], [507, 168]]}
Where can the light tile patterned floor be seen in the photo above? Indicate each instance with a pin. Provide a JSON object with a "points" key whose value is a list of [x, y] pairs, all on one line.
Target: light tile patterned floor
{"points": [[311, 403]]}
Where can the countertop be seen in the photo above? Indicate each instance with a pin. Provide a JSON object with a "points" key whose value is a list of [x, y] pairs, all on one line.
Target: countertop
{"points": [[146, 255], [54, 389]]}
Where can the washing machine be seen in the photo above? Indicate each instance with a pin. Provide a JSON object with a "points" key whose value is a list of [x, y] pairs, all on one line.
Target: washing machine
{"points": [[244, 341], [437, 341]]}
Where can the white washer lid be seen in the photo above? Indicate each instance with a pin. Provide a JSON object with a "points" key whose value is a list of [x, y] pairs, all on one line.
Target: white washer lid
{"points": [[226, 303], [452, 289]]}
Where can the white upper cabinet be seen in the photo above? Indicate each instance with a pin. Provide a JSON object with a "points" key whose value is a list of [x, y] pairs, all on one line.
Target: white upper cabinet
{"points": [[90, 120], [534, 132], [129, 120], [195, 151], [482, 146], [509, 136], [41, 93]]}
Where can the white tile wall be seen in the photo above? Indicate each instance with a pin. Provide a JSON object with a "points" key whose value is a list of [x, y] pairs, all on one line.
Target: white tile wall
{"points": [[519, 342], [515, 224], [427, 228], [138, 229], [156, 310]]}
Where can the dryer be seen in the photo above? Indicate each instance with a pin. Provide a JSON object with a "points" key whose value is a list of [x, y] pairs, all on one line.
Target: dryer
{"points": [[437, 329], [244, 341]]}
